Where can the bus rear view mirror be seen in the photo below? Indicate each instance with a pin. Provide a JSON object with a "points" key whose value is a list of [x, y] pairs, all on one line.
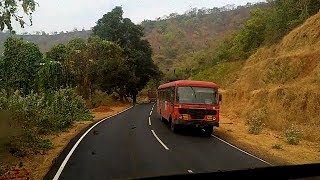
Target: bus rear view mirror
{"points": [[220, 98]]}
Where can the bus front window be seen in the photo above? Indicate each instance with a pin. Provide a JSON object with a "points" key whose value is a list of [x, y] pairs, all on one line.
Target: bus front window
{"points": [[196, 95]]}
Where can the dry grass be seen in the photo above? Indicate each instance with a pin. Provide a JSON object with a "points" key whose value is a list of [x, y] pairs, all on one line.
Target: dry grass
{"points": [[269, 145], [284, 80], [282, 107], [41, 163], [304, 37]]}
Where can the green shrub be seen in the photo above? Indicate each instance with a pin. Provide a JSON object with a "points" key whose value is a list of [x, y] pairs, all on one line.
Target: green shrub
{"points": [[100, 98], [256, 121], [36, 114], [277, 146], [293, 135]]}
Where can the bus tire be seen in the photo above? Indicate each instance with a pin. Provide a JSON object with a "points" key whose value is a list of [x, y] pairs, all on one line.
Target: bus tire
{"points": [[174, 127], [208, 130], [163, 119]]}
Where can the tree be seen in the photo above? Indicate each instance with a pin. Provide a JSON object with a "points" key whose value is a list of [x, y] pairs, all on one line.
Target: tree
{"points": [[113, 27], [10, 10], [286, 15], [78, 66], [252, 35], [21, 63], [58, 53], [57, 56], [50, 76], [111, 72]]}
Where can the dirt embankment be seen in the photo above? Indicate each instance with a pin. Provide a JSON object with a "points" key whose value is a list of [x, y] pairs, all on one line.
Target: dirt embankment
{"points": [[36, 166], [280, 85]]}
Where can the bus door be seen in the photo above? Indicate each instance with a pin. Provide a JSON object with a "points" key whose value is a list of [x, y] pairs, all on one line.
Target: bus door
{"points": [[170, 101]]}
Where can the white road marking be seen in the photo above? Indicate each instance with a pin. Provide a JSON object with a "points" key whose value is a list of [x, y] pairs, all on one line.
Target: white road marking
{"points": [[150, 113], [63, 164], [149, 121], [190, 171], [154, 134], [241, 150]]}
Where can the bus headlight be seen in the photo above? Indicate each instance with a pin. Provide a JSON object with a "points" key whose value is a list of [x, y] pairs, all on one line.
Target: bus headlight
{"points": [[211, 118], [184, 117]]}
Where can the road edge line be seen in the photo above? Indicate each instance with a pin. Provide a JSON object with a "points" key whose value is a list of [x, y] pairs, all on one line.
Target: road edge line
{"points": [[63, 164], [243, 151], [149, 121], [159, 140]]}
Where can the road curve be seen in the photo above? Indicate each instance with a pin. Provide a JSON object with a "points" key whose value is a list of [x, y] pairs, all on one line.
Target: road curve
{"points": [[136, 144]]}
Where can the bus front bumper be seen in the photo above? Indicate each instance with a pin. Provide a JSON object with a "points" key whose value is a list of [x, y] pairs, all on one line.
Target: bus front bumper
{"points": [[197, 123]]}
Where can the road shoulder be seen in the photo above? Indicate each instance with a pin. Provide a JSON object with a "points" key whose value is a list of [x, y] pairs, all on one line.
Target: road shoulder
{"points": [[234, 130]]}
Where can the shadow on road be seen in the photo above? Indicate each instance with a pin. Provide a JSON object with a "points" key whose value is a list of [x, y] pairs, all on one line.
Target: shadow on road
{"points": [[187, 131]]}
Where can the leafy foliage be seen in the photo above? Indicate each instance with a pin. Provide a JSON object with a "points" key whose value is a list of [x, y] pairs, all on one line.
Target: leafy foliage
{"points": [[50, 76], [9, 10], [20, 65], [137, 52], [251, 36], [286, 15], [58, 53], [37, 114]]}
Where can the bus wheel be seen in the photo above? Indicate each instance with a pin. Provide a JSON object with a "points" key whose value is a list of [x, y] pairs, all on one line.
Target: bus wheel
{"points": [[208, 130], [174, 127], [163, 119]]}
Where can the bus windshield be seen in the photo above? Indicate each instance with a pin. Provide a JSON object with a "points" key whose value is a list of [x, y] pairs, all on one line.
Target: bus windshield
{"points": [[196, 95]]}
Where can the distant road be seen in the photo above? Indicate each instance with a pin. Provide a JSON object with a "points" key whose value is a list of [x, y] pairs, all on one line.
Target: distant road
{"points": [[130, 145]]}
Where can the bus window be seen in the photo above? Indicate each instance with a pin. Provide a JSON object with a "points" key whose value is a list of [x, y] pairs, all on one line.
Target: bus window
{"points": [[196, 95]]}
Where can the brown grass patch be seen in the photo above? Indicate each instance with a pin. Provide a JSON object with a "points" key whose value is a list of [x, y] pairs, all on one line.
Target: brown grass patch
{"points": [[263, 145], [102, 109]]}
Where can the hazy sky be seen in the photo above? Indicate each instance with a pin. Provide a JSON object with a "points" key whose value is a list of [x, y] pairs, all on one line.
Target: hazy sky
{"points": [[65, 15]]}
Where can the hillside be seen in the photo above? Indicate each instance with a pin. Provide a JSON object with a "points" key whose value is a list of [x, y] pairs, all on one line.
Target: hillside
{"points": [[177, 36], [46, 42], [279, 85]]}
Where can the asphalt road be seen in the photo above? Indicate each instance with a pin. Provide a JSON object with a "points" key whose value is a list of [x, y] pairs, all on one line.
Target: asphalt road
{"points": [[130, 145]]}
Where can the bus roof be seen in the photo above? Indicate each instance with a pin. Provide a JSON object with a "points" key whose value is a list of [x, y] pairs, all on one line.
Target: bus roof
{"points": [[189, 83]]}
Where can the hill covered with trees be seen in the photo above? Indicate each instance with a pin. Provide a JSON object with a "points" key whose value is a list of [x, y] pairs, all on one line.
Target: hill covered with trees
{"points": [[177, 36]]}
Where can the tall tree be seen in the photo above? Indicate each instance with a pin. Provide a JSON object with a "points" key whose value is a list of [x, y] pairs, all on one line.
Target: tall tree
{"points": [[21, 63], [111, 72], [50, 76], [78, 65], [113, 27], [58, 53]]}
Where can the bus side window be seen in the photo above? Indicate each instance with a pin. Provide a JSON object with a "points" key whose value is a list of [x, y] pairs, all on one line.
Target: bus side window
{"points": [[172, 94]]}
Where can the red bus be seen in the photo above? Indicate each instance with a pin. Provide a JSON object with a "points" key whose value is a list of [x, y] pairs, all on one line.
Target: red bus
{"points": [[189, 103]]}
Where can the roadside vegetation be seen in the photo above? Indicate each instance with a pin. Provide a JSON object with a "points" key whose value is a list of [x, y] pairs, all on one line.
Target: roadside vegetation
{"points": [[45, 93]]}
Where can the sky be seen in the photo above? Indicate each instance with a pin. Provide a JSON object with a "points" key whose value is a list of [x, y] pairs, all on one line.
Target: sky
{"points": [[65, 15]]}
